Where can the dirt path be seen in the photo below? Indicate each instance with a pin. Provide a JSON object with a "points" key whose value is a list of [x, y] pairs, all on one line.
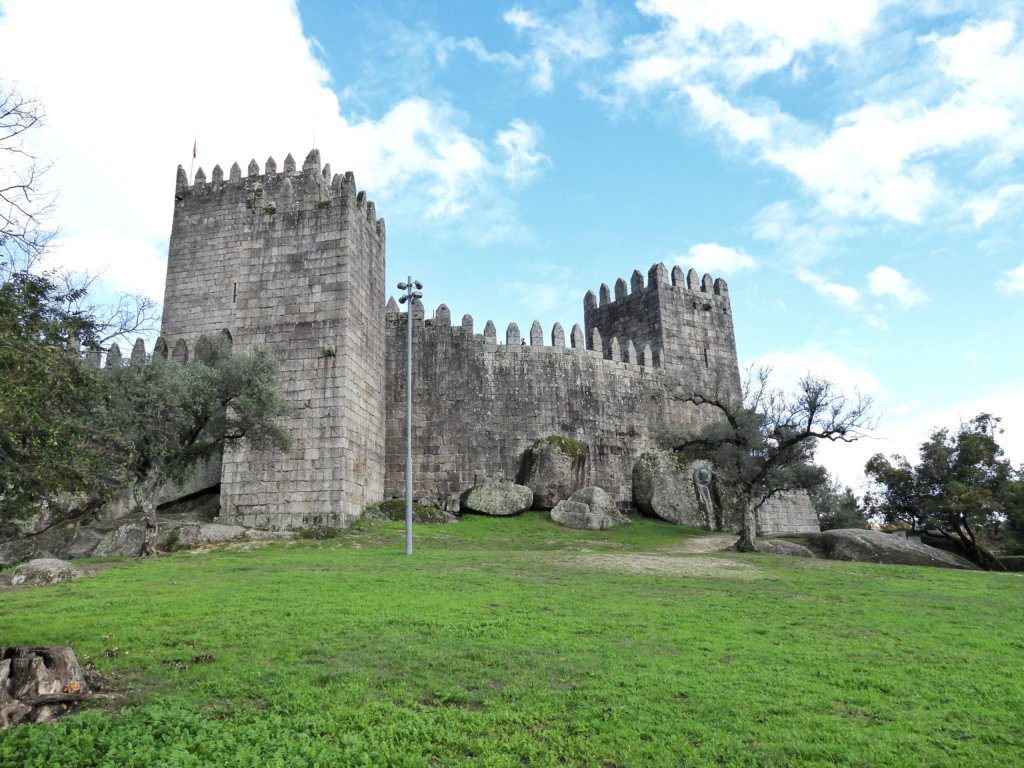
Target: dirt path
{"points": [[663, 565], [698, 545]]}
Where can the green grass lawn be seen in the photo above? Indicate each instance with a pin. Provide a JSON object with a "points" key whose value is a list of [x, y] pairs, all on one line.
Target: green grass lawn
{"points": [[507, 642]]}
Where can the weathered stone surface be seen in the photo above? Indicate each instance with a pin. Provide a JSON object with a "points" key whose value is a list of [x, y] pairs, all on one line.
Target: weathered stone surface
{"points": [[295, 266], [664, 486], [45, 570], [194, 534], [499, 499], [876, 547], [782, 547], [126, 541], [422, 514], [589, 508], [555, 469], [787, 512]]}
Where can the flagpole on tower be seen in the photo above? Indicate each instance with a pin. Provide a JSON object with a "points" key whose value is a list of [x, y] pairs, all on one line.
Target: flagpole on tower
{"points": [[192, 165]]}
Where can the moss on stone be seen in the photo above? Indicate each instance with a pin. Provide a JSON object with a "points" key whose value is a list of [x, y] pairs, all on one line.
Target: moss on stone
{"points": [[270, 210], [574, 449], [394, 510]]}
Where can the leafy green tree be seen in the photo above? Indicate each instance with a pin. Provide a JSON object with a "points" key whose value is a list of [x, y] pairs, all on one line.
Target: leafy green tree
{"points": [[765, 444], [47, 445], [836, 506], [961, 488], [174, 416]]}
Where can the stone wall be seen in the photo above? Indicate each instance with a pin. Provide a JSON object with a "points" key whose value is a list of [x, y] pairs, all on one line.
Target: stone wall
{"points": [[787, 512], [292, 263], [479, 405], [681, 323]]}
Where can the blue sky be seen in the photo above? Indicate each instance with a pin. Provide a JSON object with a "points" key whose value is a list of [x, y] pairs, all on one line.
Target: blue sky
{"points": [[854, 172]]}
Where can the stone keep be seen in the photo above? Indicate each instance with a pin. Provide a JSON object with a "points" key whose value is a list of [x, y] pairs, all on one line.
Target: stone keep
{"points": [[292, 261]]}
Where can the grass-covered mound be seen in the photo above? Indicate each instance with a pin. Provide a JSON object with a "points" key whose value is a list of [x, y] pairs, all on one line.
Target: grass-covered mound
{"points": [[514, 641]]}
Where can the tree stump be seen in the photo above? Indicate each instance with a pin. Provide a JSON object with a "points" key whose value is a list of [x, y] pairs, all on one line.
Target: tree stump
{"points": [[38, 684]]}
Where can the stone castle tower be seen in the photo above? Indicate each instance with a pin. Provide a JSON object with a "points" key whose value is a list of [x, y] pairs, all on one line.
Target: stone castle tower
{"points": [[292, 261]]}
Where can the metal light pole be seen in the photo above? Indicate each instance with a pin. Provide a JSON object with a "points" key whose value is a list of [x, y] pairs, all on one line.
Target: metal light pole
{"points": [[412, 292]]}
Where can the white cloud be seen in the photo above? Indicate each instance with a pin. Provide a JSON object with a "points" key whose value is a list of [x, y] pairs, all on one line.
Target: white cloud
{"points": [[577, 36], [903, 432], [788, 367], [124, 103], [736, 41], [845, 295], [984, 208], [522, 159], [803, 235], [715, 259], [955, 93], [886, 281], [1013, 280]]}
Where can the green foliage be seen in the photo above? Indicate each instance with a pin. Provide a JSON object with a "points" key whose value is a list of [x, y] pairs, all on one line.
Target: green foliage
{"points": [[319, 532], [394, 510], [574, 449], [836, 506], [765, 444], [961, 487], [47, 445], [509, 642], [174, 416]]}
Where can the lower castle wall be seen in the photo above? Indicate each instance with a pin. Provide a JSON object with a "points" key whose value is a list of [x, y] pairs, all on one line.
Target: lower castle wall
{"points": [[787, 512], [479, 405]]}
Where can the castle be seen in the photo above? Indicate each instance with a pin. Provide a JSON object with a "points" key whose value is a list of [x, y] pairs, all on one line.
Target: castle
{"points": [[292, 261]]}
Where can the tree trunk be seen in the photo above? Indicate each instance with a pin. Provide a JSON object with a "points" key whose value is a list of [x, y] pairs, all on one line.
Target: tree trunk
{"points": [[38, 684], [145, 500], [749, 531]]}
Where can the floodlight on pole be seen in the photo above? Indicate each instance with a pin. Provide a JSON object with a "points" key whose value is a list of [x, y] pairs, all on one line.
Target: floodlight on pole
{"points": [[412, 290]]}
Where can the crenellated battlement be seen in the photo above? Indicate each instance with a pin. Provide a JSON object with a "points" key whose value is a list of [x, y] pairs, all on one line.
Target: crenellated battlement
{"points": [[183, 352], [290, 258], [514, 343], [272, 192], [658, 276]]}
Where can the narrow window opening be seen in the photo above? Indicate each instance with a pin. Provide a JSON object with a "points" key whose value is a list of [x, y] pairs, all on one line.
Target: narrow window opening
{"points": [[706, 363], [234, 291]]}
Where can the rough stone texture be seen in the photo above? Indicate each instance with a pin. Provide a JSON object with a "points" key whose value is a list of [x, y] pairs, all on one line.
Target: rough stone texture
{"points": [[126, 541], [664, 486], [590, 509], [478, 406], [499, 499], [45, 570], [787, 512], [876, 547], [686, 327], [422, 514], [293, 264], [780, 547], [555, 470], [196, 534]]}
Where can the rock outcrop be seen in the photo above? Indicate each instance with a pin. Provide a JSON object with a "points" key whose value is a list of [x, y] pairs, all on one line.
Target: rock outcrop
{"points": [[590, 509], [498, 499], [45, 570], [664, 486], [781, 547], [126, 541], [555, 468], [868, 546]]}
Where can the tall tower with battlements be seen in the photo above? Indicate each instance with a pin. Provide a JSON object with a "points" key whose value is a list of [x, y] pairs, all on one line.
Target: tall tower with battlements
{"points": [[682, 323], [290, 261]]}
